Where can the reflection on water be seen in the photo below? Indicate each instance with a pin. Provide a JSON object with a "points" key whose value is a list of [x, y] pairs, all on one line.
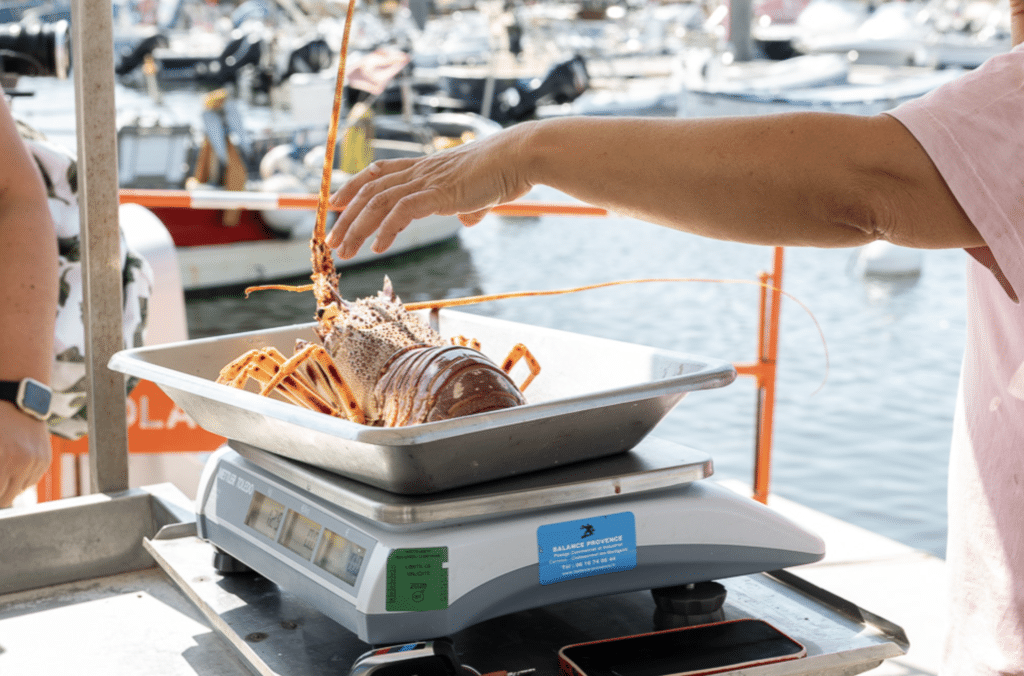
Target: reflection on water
{"points": [[884, 290]]}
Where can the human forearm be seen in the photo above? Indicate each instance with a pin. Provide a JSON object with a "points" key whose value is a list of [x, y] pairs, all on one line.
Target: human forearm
{"points": [[801, 179], [28, 277], [797, 179], [28, 307]]}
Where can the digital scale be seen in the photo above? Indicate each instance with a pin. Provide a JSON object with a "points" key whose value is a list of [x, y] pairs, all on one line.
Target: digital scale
{"points": [[513, 532], [393, 568]]}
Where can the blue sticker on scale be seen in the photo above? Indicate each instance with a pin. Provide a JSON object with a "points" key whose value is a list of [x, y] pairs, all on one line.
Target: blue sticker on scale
{"points": [[585, 547]]}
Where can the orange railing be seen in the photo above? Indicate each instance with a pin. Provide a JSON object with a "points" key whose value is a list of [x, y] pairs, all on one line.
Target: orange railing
{"points": [[156, 425], [763, 370], [228, 199]]}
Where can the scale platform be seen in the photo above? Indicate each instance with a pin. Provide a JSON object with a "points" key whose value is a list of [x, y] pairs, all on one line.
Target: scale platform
{"points": [[393, 568]]}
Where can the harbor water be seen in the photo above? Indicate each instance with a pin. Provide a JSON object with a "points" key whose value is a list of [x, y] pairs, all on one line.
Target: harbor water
{"points": [[864, 408]]}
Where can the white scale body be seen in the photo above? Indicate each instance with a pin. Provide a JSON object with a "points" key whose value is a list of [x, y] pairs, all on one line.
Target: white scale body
{"points": [[394, 568]]}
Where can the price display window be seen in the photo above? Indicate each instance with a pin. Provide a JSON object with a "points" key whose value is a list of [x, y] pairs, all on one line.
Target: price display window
{"points": [[340, 557], [300, 534], [264, 515]]}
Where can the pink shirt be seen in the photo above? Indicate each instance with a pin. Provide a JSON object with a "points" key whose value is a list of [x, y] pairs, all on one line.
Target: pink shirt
{"points": [[973, 130]]}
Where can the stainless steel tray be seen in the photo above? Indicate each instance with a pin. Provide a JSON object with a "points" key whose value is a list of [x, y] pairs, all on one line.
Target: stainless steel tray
{"points": [[595, 397]]}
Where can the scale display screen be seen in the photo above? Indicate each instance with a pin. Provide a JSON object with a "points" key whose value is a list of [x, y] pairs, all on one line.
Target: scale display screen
{"points": [[300, 534], [264, 515], [340, 557]]}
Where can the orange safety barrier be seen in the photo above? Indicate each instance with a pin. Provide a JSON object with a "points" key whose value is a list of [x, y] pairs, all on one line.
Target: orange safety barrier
{"points": [[227, 199], [155, 425]]}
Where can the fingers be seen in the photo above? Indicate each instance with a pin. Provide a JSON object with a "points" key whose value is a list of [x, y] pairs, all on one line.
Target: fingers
{"points": [[471, 219], [347, 195], [379, 201], [387, 213], [406, 210], [383, 199]]}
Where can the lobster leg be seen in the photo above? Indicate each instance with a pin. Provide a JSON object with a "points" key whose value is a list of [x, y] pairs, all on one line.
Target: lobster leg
{"points": [[232, 374], [466, 342], [518, 352], [264, 366], [331, 379], [323, 372]]}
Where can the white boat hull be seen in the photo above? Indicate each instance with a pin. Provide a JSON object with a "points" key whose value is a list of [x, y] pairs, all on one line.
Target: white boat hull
{"points": [[256, 262]]}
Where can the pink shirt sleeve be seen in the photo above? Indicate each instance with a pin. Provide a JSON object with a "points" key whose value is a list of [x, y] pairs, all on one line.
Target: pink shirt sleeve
{"points": [[973, 130]]}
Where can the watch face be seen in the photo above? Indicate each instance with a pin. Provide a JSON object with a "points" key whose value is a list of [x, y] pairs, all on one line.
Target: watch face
{"points": [[35, 398]]}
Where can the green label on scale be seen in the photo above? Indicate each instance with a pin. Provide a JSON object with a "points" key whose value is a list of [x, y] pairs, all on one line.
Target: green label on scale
{"points": [[417, 579]]}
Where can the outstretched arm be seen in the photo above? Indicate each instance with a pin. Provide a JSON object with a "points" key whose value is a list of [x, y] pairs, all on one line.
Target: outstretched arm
{"points": [[28, 306], [793, 179]]}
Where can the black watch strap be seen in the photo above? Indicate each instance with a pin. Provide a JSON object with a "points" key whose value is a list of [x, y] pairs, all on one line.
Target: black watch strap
{"points": [[29, 395], [9, 390]]}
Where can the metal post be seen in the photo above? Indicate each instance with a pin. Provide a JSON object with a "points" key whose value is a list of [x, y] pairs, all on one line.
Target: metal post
{"points": [[740, 20], [93, 63]]}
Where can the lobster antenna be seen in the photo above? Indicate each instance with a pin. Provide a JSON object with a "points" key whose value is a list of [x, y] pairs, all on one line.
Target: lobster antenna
{"points": [[325, 277], [473, 300]]}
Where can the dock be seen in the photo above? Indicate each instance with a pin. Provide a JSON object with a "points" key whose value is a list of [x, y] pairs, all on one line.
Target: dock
{"points": [[900, 583]]}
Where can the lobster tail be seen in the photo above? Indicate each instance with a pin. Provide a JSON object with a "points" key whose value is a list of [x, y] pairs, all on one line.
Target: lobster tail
{"points": [[425, 384]]}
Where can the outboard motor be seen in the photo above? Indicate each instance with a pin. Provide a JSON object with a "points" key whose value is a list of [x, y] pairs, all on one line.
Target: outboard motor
{"points": [[129, 62], [312, 57], [563, 84], [240, 52], [36, 49]]}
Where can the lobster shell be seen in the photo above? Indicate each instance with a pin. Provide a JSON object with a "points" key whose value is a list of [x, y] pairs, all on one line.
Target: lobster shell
{"points": [[422, 383]]}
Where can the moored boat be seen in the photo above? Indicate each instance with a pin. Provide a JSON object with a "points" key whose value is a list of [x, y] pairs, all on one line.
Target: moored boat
{"points": [[214, 256], [232, 244], [755, 88]]}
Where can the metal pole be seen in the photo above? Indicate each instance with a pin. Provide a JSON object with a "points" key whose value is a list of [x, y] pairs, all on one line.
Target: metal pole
{"points": [[93, 63], [740, 19]]}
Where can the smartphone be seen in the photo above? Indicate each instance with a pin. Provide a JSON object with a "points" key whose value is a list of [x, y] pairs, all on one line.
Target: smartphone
{"points": [[690, 651]]}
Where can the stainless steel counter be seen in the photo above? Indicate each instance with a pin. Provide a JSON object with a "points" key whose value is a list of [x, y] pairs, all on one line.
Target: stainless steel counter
{"points": [[82, 592]]}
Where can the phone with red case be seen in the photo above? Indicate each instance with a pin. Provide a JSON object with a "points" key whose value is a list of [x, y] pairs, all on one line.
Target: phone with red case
{"points": [[687, 651]]}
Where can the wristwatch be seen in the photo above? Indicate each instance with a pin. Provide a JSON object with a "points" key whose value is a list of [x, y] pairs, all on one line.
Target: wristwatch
{"points": [[28, 394]]}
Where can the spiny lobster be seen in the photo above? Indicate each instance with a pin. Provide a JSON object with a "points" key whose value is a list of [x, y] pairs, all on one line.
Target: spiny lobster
{"points": [[376, 363]]}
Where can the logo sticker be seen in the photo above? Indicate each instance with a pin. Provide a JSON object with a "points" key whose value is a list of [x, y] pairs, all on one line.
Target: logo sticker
{"points": [[585, 547]]}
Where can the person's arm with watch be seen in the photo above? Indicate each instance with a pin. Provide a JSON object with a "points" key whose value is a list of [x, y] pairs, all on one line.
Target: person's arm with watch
{"points": [[28, 309]]}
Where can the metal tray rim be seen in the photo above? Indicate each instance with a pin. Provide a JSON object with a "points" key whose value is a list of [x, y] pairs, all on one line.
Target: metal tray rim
{"points": [[714, 373]]}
